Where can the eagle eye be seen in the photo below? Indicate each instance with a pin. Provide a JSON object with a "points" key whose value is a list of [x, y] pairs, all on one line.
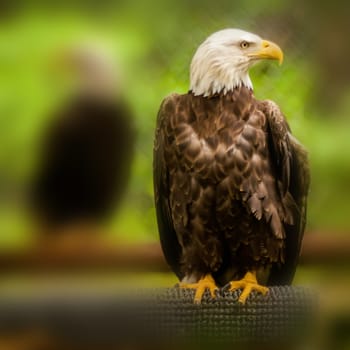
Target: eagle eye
{"points": [[244, 44]]}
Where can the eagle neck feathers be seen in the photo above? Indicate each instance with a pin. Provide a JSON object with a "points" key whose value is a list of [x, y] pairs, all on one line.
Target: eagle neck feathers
{"points": [[210, 75]]}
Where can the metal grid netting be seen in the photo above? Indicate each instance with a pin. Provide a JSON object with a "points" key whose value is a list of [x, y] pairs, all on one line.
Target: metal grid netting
{"points": [[286, 314]]}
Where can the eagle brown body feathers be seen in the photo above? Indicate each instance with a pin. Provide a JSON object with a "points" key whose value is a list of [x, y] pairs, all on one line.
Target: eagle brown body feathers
{"points": [[230, 187]]}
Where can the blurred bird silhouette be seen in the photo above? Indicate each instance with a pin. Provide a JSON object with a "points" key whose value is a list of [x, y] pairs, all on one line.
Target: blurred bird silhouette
{"points": [[86, 149]]}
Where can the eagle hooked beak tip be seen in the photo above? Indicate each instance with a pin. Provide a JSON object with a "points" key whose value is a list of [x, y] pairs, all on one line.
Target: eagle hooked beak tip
{"points": [[269, 50]]}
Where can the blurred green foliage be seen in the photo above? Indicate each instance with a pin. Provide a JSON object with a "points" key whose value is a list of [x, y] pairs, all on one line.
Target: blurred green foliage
{"points": [[153, 42]]}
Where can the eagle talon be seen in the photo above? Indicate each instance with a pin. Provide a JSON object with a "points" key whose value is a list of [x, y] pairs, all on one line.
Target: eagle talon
{"points": [[248, 283], [207, 282]]}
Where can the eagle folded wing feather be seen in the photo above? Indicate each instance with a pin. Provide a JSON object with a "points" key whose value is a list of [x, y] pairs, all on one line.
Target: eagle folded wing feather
{"points": [[168, 238], [293, 185]]}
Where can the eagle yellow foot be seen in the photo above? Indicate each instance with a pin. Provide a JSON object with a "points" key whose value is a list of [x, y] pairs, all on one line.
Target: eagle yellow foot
{"points": [[207, 282], [248, 283]]}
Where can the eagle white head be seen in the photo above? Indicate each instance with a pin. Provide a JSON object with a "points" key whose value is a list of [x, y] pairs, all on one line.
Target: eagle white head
{"points": [[222, 61]]}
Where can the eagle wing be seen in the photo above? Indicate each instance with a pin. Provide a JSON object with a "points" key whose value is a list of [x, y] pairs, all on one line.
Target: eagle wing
{"points": [[293, 178], [168, 238]]}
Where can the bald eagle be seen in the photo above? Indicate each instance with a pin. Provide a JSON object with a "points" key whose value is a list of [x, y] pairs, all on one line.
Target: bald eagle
{"points": [[86, 149], [230, 180]]}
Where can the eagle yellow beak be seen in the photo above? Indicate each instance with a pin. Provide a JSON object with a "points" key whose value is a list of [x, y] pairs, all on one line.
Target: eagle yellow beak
{"points": [[269, 50]]}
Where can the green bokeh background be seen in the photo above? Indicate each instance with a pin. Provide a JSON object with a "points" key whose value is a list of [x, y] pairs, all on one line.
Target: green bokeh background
{"points": [[152, 43]]}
